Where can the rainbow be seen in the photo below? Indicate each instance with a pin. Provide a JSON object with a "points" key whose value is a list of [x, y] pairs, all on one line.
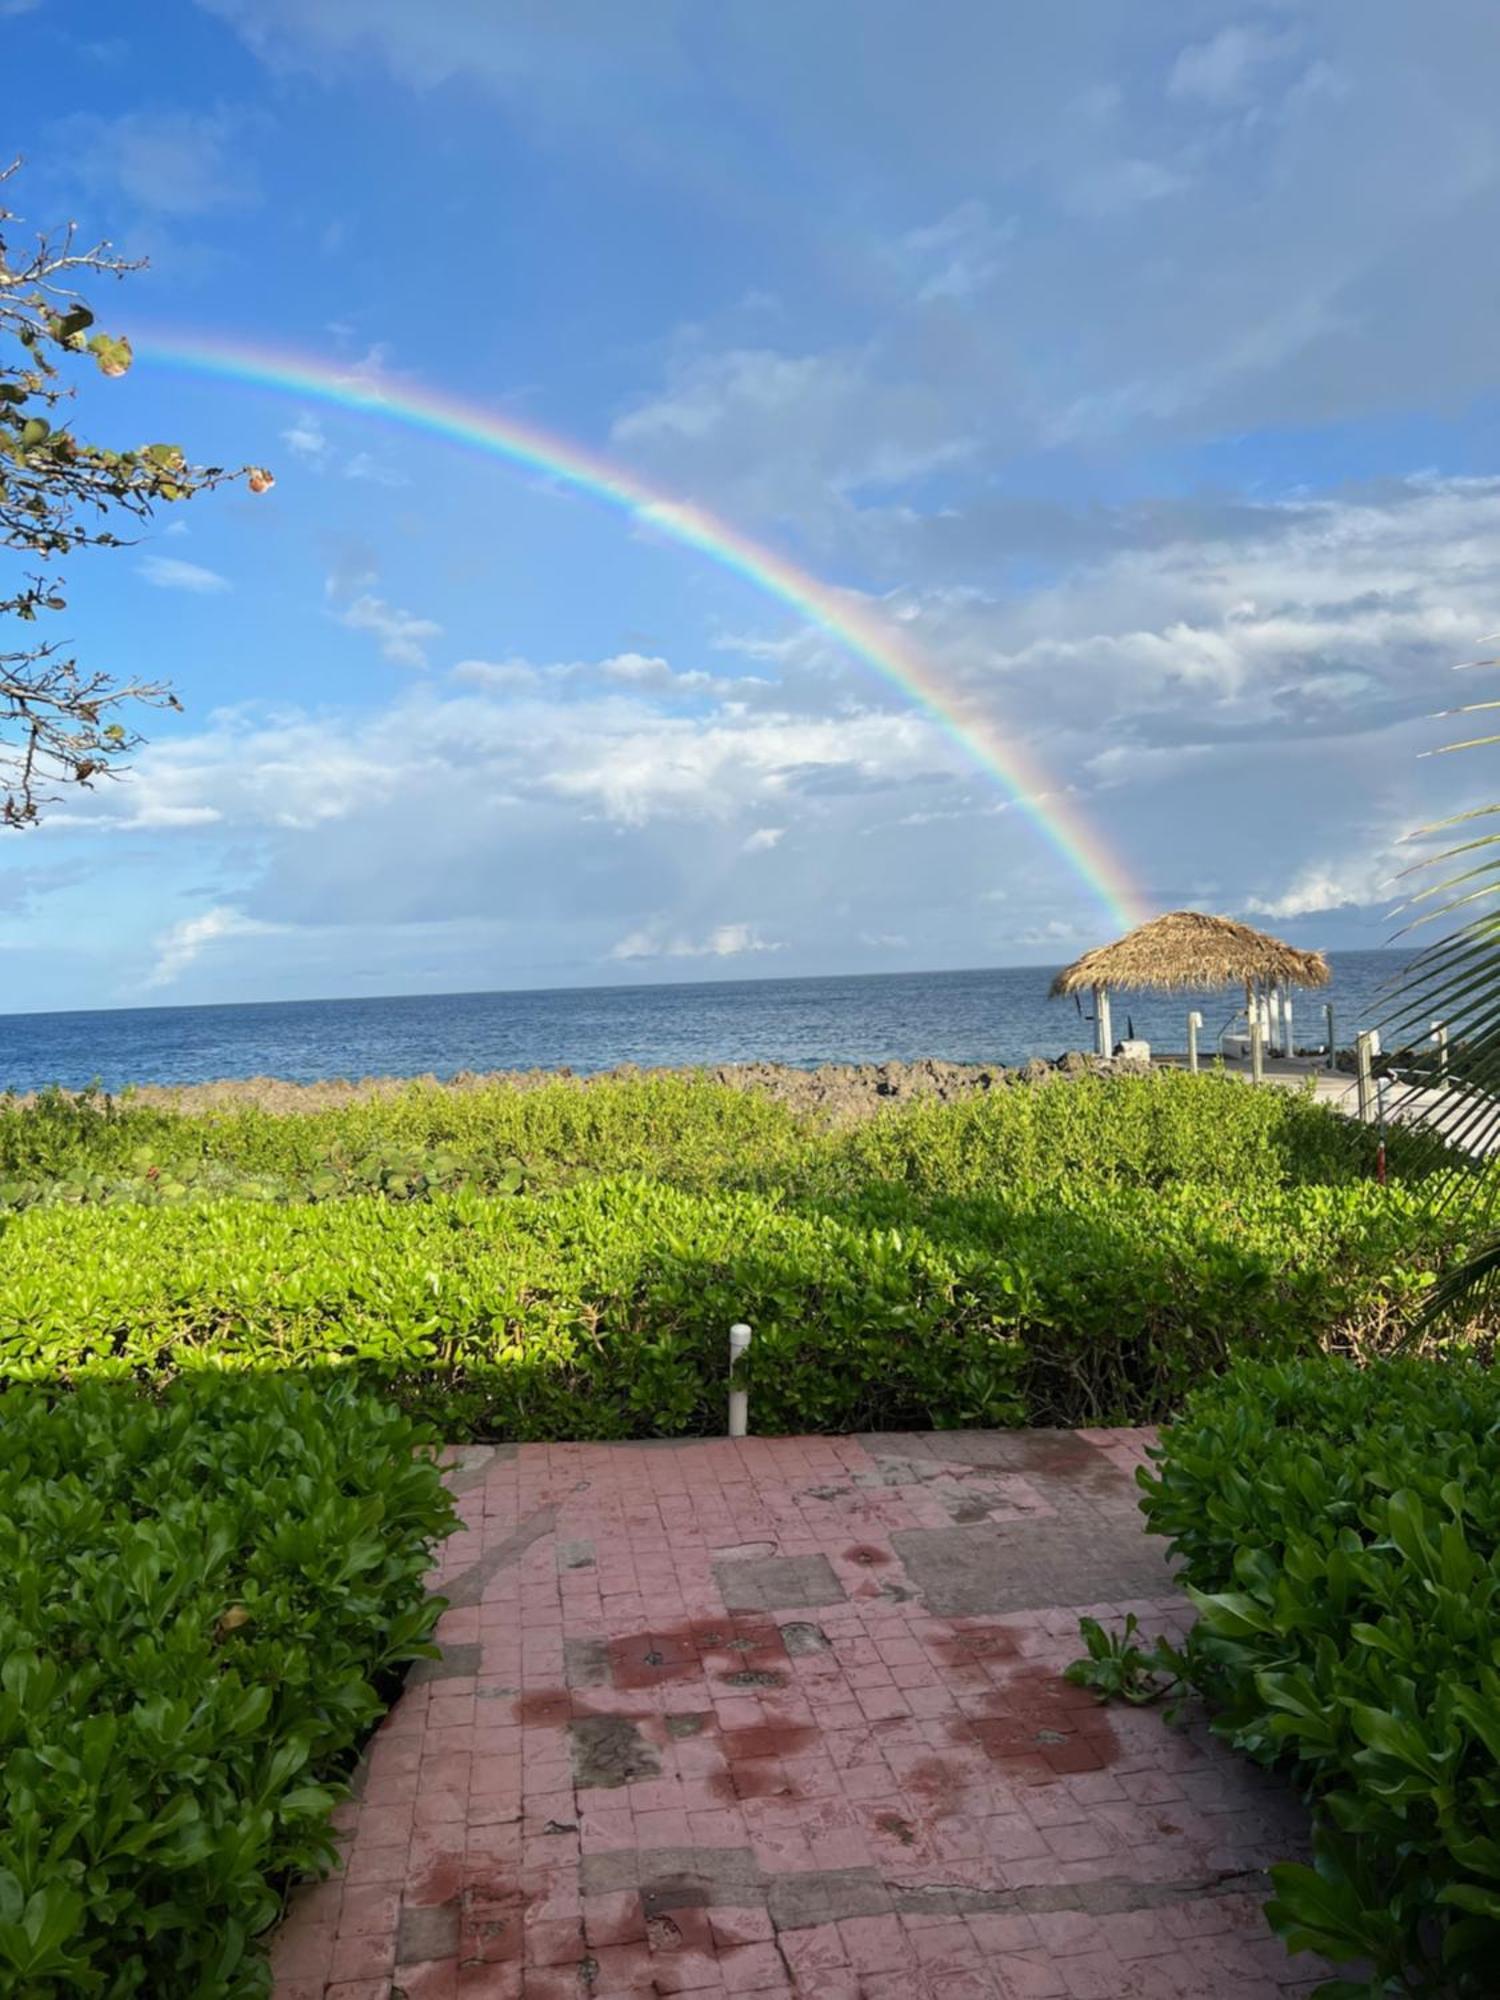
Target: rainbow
{"points": [[845, 616]]}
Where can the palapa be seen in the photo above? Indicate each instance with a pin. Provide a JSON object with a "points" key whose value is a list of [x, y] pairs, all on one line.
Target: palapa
{"points": [[1188, 951]]}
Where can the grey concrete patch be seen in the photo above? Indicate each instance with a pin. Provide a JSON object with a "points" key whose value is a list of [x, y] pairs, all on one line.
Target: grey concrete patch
{"points": [[1108, 1896], [778, 1583], [732, 1869], [1035, 1451], [681, 1726], [608, 1872], [468, 1465], [890, 1469], [424, 1934], [797, 1902], [459, 1660], [713, 1878], [690, 1878], [1031, 1565], [575, 1555], [468, 1587], [585, 1662], [610, 1751], [801, 1638]]}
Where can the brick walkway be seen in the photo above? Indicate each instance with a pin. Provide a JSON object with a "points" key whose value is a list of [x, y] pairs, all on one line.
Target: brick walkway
{"points": [[783, 1717]]}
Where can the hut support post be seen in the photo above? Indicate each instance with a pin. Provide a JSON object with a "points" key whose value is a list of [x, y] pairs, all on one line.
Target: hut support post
{"points": [[1288, 1039], [1195, 1022], [1257, 1044], [1332, 1049], [1102, 1021]]}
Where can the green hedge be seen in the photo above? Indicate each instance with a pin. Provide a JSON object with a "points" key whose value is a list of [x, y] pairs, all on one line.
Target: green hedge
{"points": [[202, 1599], [1341, 1532], [601, 1310], [1149, 1131]]}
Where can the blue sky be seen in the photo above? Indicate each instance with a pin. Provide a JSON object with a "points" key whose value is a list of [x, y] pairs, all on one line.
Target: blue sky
{"points": [[1143, 361]]}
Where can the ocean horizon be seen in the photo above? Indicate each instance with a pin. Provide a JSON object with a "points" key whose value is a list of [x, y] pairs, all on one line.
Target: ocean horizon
{"points": [[1000, 1015]]}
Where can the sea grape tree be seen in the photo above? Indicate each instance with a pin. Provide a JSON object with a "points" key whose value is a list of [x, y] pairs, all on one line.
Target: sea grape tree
{"points": [[60, 723]]}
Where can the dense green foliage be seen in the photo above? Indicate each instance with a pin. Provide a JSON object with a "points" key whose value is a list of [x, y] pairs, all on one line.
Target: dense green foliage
{"points": [[600, 1308], [564, 1261], [1145, 1131], [1341, 1534], [200, 1596]]}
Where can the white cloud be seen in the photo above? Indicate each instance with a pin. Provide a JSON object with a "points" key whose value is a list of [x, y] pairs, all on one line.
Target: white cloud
{"points": [[713, 768], [790, 433], [646, 670], [1115, 187], [172, 163], [497, 674], [1358, 880], [1223, 69], [172, 573], [957, 256], [375, 472], [723, 941], [401, 635], [763, 840], [306, 439], [177, 948]]}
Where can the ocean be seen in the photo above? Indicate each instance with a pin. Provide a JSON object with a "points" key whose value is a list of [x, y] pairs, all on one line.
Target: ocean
{"points": [[999, 1016]]}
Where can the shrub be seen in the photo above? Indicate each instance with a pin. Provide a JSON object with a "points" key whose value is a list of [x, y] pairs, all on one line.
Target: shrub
{"points": [[601, 1310], [202, 1599], [1341, 1535], [1154, 1131], [420, 1139]]}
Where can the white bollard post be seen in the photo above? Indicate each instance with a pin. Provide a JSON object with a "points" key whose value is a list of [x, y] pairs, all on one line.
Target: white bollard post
{"points": [[1366, 1048], [1195, 1022], [1440, 1039], [1106, 1030], [1333, 1060], [739, 1399]]}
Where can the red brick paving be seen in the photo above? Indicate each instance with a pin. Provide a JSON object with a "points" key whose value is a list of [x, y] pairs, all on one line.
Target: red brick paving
{"points": [[616, 1784]]}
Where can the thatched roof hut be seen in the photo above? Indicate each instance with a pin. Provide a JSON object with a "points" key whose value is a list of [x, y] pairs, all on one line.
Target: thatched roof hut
{"points": [[1186, 950]]}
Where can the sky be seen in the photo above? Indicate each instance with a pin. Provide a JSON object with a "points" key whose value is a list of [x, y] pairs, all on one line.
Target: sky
{"points": [[1136, 367]]}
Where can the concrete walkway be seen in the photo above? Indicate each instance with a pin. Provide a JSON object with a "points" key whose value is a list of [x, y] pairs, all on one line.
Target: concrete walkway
{"points": [[784, 1717]]}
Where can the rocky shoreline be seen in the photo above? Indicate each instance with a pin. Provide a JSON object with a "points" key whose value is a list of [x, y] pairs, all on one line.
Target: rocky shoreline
{"points": [[838, 1092]]}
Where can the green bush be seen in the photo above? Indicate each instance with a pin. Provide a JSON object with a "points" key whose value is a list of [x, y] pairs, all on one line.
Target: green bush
{"points": [[202, 1599], [421, 1139], [1341, 1534], [1152, 1131], [601, 1310]]}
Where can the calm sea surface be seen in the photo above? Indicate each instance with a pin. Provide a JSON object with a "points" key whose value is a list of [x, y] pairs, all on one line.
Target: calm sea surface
{"points": [[999, 1016]]}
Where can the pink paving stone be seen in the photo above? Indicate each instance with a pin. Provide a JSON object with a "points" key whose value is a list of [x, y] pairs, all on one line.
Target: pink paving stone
{"points": [[822, 1764]]}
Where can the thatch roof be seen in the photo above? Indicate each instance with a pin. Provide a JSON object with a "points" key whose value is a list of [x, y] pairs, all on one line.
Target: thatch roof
{"points": [[1186, 950]]}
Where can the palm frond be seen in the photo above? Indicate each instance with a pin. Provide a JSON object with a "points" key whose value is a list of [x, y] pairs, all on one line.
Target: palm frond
{"points": [[1455, 980]]}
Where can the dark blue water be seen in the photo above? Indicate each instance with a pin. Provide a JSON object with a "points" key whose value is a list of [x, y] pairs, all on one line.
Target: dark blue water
{"points": [[999, 1016]]}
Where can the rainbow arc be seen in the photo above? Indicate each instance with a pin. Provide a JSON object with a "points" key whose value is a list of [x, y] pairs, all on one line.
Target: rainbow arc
{"points": [[849, 619]]}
